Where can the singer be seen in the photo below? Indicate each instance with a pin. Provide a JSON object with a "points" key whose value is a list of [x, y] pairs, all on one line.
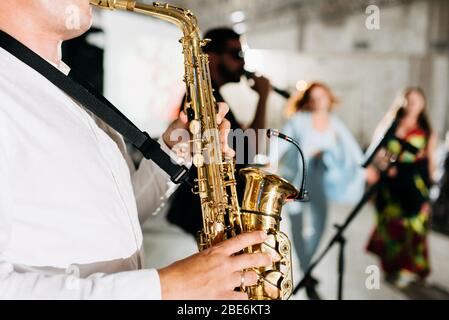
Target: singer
{"points": [[402, 203], [333, 160]]}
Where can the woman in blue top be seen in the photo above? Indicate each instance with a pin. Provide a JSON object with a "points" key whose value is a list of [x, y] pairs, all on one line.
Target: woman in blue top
{"points": [[333, 160]]}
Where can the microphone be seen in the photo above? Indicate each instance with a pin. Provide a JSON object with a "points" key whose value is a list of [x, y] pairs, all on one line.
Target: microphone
{"points": [[387, 136], [276, 133], [283, 93], [303, 194], [374, 148]]}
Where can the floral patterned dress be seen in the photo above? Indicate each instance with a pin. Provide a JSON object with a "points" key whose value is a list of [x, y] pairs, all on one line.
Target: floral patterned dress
{"points": [[403, 210]]}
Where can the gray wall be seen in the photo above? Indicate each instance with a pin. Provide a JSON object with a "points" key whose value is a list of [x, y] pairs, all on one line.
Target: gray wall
{"points": [[332, 44]]}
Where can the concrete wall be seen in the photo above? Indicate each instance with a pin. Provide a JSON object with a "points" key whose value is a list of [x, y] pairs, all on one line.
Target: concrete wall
{"points": [[365, 84], [403, 29], [365, 68]]}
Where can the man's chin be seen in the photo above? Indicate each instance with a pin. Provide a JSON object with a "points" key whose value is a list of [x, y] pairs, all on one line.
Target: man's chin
{"points": [[75, 33], [77, 30]]}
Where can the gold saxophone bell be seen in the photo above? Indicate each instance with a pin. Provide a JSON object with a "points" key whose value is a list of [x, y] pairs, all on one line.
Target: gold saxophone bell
{"points": [[264, 196], [265, 193]]}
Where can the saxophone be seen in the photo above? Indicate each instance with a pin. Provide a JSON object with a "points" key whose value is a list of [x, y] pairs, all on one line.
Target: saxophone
{"points": [[265, 193]]}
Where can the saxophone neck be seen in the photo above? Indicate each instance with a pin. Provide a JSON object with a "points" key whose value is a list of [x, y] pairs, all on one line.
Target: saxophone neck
{"points": [[114, 4], [183, 18]]}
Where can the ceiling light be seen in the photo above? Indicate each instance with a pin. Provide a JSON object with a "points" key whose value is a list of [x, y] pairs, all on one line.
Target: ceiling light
{"points": [[237, 16], [301, 85], [240, 28]]}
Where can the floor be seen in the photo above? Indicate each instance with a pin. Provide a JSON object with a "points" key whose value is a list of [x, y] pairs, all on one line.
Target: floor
{"points": [[165, 243]]}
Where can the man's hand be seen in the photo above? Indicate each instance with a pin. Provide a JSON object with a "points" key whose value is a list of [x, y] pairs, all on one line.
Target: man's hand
{"points": [[215, 273], [372, 175], [262, 86], [182, 123]]}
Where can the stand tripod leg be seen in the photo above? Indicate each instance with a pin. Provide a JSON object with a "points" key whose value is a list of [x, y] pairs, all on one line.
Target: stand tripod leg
{"points": [[341, 266], [338, 238]]}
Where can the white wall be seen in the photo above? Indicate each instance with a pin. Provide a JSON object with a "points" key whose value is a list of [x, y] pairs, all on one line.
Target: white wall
{"points": [[439, 94], [285, 38], [143, 68]]}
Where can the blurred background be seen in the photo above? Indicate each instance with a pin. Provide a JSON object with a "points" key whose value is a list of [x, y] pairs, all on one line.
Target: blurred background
{"points": [[290, 41], [365, 50]]}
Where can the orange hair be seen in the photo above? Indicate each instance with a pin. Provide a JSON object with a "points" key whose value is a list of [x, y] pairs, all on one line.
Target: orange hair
{"points": [[301, 99]]}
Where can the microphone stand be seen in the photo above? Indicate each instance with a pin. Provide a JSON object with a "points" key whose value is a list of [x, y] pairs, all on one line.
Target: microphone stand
{"points": [[339, 237], [282, 92]]}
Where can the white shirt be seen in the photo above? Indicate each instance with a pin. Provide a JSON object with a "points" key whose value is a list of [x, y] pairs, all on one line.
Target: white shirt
{"points": [[318, 141], [66, 194]]}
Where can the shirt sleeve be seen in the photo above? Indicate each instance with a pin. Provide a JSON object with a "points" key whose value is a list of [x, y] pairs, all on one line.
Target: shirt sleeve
{"points": [[131, 285], [152, 186], [14, 284]]}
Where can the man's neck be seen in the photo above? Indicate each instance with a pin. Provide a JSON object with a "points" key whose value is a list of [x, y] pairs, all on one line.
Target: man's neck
{"points": [[48, 46]]}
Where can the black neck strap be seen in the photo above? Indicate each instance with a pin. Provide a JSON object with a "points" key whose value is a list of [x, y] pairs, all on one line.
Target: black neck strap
{"points": [[94, 101]]}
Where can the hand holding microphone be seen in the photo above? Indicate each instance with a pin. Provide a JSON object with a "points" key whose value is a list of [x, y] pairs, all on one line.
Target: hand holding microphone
{"points": [[258, 83], [263, 86]]}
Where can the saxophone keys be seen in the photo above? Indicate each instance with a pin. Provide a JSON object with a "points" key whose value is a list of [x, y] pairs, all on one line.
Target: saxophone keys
{"points": [[284, 249], [287, 287], [272, 284], [269, 247], [204, 42], [195, 127], [230, 183], [219, 227], [195, 190], [196, 187], [198, 160]]}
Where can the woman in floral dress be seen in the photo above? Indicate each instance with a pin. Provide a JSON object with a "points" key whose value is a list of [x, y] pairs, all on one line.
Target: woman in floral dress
{"points": [[402, 203]]}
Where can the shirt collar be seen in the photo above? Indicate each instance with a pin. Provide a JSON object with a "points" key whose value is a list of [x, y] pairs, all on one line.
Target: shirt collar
{"points": [[65, 69]]}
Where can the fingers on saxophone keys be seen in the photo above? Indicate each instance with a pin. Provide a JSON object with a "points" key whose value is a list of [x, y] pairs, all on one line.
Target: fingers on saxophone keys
{"points": [[244, 279], [223, 109], [183, 117], [225, 128], [252, 260], [243, 241]]}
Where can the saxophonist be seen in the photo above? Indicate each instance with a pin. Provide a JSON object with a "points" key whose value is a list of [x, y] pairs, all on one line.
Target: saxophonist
{"points": [[69, 227]]}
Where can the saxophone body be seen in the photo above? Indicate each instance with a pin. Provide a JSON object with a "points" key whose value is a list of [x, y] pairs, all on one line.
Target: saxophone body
{"points": [[265, 193]]}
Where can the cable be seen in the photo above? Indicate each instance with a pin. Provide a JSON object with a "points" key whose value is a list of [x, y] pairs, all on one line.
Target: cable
{"points": [[303, 194]]}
